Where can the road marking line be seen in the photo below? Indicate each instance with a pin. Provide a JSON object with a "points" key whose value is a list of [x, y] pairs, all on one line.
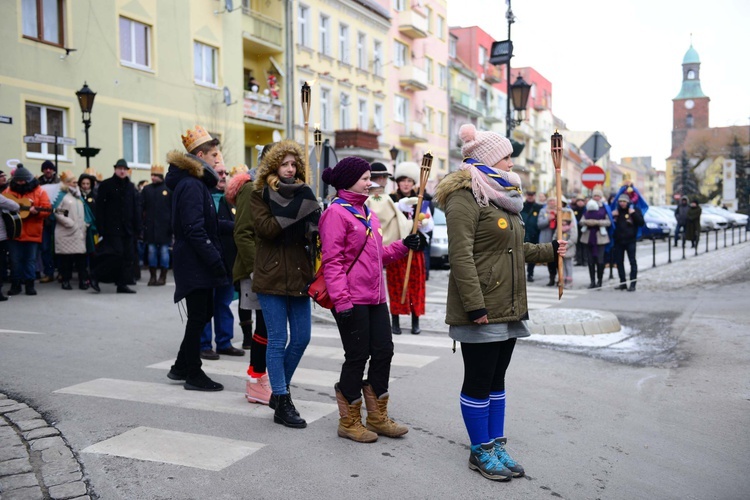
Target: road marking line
{"points": [[175, 395], [178, 448], [21, 332], [416, 340], [399, 359]]}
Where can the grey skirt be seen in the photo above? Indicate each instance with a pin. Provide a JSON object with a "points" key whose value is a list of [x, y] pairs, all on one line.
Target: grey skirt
{"points": [[248, 298], [493, 332]]}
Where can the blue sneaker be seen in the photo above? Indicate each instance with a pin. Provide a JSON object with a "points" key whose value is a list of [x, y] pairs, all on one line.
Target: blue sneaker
{"points": [[484, 460], [503, 457]]}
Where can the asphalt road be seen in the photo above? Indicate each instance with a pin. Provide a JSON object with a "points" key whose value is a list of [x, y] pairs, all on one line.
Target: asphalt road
{"points": [[585, 426]]}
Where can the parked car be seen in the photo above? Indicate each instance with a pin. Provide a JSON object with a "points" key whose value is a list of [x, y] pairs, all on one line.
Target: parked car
{"points": [[658, 224], [439, 245], [734, 219], [709, 222]]}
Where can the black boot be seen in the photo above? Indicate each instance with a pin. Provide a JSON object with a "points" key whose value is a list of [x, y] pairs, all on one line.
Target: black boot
{"points": [[124, 289], [599, 275], [623, 286], [285, 413], [591, 275], [395, 327], [3, 298], [30, 290], [632, 287], [201, 382], [415, 330], [83, 285], [15, 288], [95, 285], [551, 281], [152, 276], [66, 285]]}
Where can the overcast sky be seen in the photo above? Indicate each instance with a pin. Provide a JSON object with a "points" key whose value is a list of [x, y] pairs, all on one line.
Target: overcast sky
{"points": [[615, 66]]}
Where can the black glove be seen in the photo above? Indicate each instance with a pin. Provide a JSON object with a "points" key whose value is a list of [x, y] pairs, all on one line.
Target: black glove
{"points": [[219, 270], [346, 321], [415, 241]]}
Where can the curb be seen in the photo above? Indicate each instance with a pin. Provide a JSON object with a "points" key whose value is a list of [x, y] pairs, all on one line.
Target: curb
{"points": [[35, 460]]}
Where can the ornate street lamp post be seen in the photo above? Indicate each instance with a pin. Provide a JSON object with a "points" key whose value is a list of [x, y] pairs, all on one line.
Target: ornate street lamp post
{"points": [[86, 101]]}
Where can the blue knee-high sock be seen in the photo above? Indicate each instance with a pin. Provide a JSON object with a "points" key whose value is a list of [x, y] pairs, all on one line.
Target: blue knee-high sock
{"points": [[476, 416], [497, 415]]}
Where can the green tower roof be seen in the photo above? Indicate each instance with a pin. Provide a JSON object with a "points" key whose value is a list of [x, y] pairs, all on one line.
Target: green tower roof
{"points": [[691, 56]]}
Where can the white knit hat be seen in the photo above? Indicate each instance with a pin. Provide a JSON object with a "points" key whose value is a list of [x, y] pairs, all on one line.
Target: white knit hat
{"points": [[592, 206], [407, 169], [485, 146]]}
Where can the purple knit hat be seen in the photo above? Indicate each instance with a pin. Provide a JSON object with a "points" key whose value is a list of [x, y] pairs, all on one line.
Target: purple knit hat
{"points": [[346, 173]]}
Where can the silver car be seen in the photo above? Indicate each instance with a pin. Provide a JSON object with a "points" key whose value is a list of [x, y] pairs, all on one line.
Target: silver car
{"points": [[439, 244]]}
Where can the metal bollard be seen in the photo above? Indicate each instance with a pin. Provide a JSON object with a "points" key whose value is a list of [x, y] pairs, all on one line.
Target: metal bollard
{"points": [[732, 235], [707, 235], [653, 250], [717, 240], [725, 237], [669, 251]]}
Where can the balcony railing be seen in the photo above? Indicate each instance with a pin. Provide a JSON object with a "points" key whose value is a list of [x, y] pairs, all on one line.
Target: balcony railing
{"points": [[467, 104], [492, 74], [263, 27], [493, 114], [412, 78], [356, 138], [412, 24], [412, 133], [261, 107]]}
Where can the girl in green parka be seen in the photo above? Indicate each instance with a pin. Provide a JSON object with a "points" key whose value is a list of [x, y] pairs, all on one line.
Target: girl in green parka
{"points": [[487, 308]]}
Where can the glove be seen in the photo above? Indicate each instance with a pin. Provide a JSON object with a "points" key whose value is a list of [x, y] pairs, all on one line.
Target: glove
{"points": [[406, 204], [346, 320], [415, 242]]}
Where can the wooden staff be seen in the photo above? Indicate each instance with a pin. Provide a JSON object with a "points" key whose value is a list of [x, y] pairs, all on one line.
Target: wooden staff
{"points": [[424, 176], [306, 116], [557, 149]]}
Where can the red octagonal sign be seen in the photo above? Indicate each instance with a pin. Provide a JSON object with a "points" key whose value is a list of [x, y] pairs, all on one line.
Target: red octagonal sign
{"points": [[593, 176]]}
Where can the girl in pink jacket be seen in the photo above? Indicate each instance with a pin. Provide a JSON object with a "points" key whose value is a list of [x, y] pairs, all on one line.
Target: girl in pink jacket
{"points": [[353, 260]]}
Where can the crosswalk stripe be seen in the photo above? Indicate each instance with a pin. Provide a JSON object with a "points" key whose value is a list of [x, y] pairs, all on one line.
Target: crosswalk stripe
{"points": [[21, 332], [178, 448], [417, 340], [399, 359], [175, 395], [302, 376]]}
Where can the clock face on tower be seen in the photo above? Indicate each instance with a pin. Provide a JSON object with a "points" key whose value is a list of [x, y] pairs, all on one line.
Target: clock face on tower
{"points": [[689, 104]]}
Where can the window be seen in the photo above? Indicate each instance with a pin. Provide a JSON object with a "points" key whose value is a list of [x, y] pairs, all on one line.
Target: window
{"points": [[442, 76], [41, 119], [452, 47], [691, 75], [361, 51], [136, 143], [428, 13], [441, 27], [43, 20], [377, 65], [344, 43], [204, 64], [378, 117], [325, 36], [402, 109], [430, 70], [482, 56], [362, 115], [325, 109], [344, 114], [689, 121], [303, 21], [400, 54], [441, 122], [441, 164], [135, 43], [399, 5], [428, 112]]}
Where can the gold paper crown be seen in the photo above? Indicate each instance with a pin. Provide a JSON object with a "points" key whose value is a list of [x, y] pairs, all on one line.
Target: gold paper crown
{"points": [[238, 169], [157, 169], [66, 176], [195, 138], [91, 171]]}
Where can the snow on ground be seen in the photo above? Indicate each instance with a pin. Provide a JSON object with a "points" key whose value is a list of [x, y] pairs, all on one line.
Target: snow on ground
{"points": [[622, 340]]}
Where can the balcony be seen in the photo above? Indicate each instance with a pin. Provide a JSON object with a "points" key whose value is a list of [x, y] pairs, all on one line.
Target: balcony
{"points": [[258, 108], [412, 24], [494, 114], [412, 78], [465, 103], [359, 139], [411, 133], [262, 34], [492, 74]]}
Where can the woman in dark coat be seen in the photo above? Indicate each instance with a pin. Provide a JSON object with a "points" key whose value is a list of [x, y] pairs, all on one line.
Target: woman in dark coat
{"points": [[693, 227], [198, 266]]}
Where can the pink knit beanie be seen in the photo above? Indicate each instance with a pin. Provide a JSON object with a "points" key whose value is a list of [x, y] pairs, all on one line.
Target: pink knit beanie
{"points": [[485, 146]]}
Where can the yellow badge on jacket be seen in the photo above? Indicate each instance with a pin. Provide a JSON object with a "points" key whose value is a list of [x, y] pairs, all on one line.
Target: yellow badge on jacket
{"points": [[164, 192], [380, 231], [502, 223]]}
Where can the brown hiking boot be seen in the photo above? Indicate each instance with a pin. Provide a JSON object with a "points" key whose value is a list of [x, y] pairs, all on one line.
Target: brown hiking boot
{"points": [[152, 276], [377, 414], [350, 421], [162, 280]]}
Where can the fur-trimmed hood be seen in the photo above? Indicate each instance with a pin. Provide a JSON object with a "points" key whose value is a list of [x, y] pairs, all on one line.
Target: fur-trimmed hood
{"points": [[182, 165], [235, 184], [272, 160], [460, 179]]}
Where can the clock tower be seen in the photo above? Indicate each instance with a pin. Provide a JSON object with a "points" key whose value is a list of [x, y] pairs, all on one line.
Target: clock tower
{"points": [[690, 107]]}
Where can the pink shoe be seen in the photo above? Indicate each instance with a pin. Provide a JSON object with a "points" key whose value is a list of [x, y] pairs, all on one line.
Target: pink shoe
{"points": [[258, 390]]}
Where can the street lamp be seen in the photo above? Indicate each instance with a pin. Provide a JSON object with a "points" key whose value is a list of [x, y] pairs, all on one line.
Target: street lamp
{"points": [[86, 101], [519, 92]]}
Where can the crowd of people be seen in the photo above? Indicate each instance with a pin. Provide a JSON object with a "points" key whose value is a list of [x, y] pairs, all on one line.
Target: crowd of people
{"points": [[260, 236]]}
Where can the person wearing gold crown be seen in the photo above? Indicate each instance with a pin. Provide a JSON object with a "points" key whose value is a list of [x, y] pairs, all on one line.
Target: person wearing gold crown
{"points": [[157, 225], [70, 232], [198, 265]]}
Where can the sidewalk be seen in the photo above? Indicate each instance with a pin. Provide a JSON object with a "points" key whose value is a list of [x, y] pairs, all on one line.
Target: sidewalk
{"points": [[35, 461]]}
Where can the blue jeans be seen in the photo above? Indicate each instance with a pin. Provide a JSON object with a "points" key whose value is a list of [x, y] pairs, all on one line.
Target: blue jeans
{"points": [[158, 255], [223, 320], [23, 260], [282, 359], [48, 249]]}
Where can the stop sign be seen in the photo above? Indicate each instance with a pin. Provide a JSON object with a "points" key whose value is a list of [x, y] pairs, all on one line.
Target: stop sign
{"points": [[593, 176]]}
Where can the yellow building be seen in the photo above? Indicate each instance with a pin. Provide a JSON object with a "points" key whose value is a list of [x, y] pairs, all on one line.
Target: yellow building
{"points": [[157, 67]]}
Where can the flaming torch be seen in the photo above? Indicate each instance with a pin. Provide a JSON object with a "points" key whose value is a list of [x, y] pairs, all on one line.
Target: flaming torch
{"points": [[424, 176], [557, 151], [306, 116]]}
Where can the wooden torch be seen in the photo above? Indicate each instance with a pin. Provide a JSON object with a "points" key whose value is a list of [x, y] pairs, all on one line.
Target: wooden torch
{"points": [[318, 137], [306, 117], [424, 176], [557, 151]]}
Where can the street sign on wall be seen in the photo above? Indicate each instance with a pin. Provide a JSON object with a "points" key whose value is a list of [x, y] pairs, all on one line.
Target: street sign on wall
{"points": [[48, 139], [593, 176]]}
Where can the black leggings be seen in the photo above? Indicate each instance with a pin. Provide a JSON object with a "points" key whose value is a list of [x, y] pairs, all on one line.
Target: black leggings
{"points": [[484, 367], [259, 342]]}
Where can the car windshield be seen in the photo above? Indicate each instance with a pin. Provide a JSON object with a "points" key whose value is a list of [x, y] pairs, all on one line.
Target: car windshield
{"points": [[439, 217]]}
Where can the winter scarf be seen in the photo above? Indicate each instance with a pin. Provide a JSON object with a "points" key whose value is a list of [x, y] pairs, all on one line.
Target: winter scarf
{"points": [[502, 190], [291, 203], [598, 214]]}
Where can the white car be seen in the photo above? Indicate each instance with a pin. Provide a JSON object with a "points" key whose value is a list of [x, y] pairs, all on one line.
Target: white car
{"points": [[709, 222], [734, 219]]}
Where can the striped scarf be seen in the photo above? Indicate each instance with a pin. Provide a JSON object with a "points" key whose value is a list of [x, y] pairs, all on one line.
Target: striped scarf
{"points": [[488, 185]]}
